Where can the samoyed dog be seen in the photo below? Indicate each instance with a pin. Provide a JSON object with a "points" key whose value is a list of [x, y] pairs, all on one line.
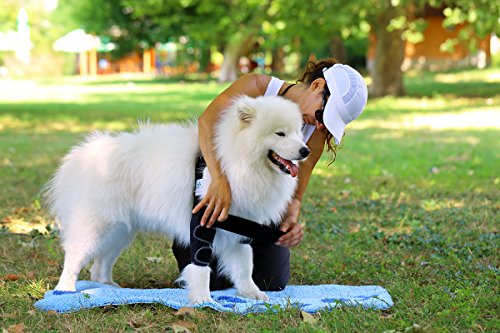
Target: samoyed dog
{"points": [[112, 186]]}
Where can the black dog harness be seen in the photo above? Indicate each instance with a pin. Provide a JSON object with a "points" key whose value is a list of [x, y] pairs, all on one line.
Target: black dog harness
{"points": [[201, 238]]}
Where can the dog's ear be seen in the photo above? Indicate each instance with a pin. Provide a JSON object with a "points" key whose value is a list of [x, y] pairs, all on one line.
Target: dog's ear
{"points": [[246, 112]]}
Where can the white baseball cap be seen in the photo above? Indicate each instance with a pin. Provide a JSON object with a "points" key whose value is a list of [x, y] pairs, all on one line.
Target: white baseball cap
{"points": [[348, 97]]}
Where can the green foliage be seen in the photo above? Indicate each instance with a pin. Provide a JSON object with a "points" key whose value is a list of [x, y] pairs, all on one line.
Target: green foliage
{"points": [[480, 19], [481, 16], [118, 20], [8, 14]]}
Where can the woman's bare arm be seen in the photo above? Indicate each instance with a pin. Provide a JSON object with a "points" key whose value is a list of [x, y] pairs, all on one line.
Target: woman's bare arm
{"points": [[218, 198], [290, 223]]}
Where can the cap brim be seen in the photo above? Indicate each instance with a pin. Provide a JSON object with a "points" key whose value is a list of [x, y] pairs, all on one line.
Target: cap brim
{"points": [[333, 121]]}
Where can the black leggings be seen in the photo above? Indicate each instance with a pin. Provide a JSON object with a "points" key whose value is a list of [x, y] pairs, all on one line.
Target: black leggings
{"points": [[271, 266]]}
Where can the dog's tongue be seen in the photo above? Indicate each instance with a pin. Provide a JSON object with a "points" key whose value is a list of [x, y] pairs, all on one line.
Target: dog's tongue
{"points": [[293, 168]]}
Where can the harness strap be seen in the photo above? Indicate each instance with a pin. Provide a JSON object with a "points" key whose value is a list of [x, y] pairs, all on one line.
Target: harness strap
{"points": [[244, 227], [201, 238]]}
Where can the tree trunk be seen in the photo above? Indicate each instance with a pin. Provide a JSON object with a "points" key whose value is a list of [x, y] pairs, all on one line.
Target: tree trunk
{"points": [[232, 52], [278, 63], [337, 50], [386, 73], [205, 57]]}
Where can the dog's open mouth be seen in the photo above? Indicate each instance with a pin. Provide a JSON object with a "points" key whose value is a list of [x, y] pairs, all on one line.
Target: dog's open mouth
{"points": [[286, 166]]}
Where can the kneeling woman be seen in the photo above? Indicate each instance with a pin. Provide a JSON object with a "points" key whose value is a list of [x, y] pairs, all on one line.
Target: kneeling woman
{"points": [[330, 95]]}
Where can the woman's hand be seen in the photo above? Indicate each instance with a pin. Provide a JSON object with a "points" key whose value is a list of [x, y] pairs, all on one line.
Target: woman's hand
{"points": [[290, 225], [293, 236], [217, 200]]}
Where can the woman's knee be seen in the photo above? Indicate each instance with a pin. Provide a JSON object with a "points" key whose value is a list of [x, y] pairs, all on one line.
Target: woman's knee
{"points": [[272, 282], [271, 266]]}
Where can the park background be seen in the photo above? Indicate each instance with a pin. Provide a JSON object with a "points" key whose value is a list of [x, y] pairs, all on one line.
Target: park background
{"points": [[411, 203]]}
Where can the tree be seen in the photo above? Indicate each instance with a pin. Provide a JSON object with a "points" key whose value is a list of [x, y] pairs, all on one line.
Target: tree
{"points": [[480, 17], [118, 20], [303, 27], [319, 25], [387, 77], [231, 24], [393, 22]]}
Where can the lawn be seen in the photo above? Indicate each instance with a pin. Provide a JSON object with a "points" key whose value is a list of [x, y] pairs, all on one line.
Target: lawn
{"points": [[411, 204]]}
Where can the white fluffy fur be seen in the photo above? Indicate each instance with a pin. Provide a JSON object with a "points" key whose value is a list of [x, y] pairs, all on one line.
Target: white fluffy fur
{"points": [[112, 186]]}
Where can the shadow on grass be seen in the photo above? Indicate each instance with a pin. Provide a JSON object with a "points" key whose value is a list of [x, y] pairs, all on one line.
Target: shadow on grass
{"points": [[371, 162]]}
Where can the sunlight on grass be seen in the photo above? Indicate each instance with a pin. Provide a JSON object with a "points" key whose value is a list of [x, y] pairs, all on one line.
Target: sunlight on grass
{"points": [[400, 229], [473, 118], [467, 76], [322, 171], [20, 225], [75, 92], [23, 90], [431, 204], [8, 122], [470, 119], [426, 104]]}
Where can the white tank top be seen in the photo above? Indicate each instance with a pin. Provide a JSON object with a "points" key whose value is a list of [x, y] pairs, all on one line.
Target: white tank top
{"points": [[273, 89]]}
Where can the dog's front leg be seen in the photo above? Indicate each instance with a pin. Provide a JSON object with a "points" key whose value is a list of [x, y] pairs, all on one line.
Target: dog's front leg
{"points": [[197, 282], [237, 264]]}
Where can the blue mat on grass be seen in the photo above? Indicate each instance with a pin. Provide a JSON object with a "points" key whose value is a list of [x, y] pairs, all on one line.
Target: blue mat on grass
{"points": [[308, 298]]}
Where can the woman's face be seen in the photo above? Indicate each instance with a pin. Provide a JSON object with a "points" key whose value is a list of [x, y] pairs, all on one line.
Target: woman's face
{"points": [[312, 101]]}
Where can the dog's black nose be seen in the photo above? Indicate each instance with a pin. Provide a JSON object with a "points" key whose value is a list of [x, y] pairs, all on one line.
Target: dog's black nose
{"points": [[304, 152]]}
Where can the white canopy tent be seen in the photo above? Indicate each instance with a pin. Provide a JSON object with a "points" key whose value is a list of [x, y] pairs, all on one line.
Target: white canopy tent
{"points": [[78, 41]]}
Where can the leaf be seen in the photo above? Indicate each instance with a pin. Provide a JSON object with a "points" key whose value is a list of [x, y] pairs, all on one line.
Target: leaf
{"points": [[12, 277], [16, 328], [189, 312], [411, 329], [20, 210], [154, 259], [308, 318], [182, 326], [414, 329], [185, 311]]}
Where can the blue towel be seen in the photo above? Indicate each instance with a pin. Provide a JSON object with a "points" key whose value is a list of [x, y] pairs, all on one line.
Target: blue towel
{"points": [[308, 298]]}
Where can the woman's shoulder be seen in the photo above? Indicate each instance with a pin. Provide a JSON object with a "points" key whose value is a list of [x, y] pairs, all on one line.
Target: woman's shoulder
{"points": [[254, 81]]}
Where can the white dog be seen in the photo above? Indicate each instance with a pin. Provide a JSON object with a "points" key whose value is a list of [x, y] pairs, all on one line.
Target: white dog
{"points": [[112, 186]]}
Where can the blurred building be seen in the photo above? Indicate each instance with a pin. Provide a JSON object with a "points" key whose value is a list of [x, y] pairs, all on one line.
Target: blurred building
{"points": [[429, 53]]}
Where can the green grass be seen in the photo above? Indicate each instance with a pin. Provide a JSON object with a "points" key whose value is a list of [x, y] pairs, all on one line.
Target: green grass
{"points": [[410, 204]]}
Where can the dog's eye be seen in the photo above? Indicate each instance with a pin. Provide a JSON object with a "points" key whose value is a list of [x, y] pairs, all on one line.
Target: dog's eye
{"points": [[280, 133]]}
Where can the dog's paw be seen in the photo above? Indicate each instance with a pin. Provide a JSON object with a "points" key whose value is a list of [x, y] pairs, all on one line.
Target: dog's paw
{"points": [[65, 287], [112, 283], [254, 294], [199, 299]]}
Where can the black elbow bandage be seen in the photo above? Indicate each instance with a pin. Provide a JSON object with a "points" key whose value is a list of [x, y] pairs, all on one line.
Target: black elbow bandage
{"points": [[201, 240]]}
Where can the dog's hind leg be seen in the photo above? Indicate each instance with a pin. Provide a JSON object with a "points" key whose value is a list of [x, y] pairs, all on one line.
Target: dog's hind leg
{"points": [[116, 240], [236, 261], [82, 241], [74, 261]]}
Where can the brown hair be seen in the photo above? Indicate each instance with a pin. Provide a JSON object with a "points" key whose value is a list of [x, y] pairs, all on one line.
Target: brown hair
{"points": [[312, 71]]}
